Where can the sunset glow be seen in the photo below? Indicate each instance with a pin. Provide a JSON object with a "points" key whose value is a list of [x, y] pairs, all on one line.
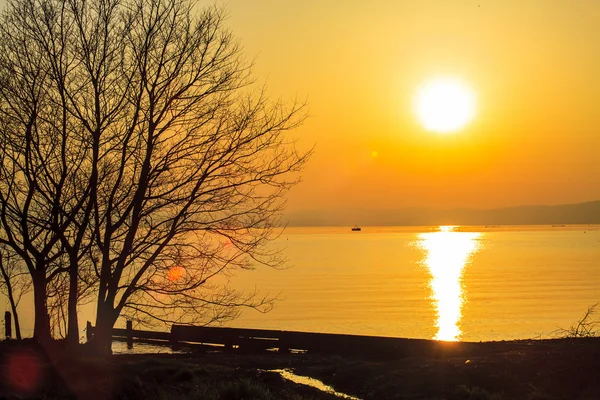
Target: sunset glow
{"points": [[468, 105], [204, 196]]}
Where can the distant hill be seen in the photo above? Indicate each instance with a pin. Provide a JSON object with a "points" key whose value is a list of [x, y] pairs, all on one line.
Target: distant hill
{"points": [[581, 213]]}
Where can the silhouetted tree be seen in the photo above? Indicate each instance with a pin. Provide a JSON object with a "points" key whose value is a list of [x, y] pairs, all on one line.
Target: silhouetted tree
{"points": [[193, 180], [139, 155], [28, 155], [48, 169]]}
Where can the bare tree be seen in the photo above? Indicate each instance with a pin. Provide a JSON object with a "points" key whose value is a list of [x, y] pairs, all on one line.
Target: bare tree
{"points": [[164, 172], [28, 155], [195, 184], [48, 164]]}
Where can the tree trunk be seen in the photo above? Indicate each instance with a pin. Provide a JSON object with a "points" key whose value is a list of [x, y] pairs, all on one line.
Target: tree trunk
{"points": [[13, 307], [41, 327], [73, 327], [105, 320]]}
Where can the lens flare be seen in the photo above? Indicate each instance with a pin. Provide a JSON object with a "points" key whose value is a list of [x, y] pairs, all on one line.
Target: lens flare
{"points": [[23, 372]]}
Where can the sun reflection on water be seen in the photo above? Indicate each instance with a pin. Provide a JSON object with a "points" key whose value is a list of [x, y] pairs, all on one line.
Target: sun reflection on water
{"points": [[447, 254]]}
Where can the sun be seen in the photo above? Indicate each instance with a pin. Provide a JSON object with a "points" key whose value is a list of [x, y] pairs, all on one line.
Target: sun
{"points": [[445, 105]]}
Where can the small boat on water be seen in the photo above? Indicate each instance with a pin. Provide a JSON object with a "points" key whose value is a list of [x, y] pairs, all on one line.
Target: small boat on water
{"points": [[356, 229]]}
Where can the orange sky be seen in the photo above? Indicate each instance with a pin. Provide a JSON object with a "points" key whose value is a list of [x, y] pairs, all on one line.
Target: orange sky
{"points": [[535, 66]]}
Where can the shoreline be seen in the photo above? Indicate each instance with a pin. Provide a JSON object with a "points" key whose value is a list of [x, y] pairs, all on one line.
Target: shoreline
{"points": [[534, 369]]}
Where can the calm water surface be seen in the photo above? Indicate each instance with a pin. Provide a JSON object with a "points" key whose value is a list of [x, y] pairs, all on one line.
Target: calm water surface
{"points": [[449, 283]]}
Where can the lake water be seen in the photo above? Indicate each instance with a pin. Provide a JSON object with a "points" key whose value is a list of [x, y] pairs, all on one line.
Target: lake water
{"points": [[467, 283], [449, 283]]}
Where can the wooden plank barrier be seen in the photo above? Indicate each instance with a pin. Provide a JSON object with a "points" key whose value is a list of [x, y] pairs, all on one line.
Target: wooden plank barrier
{"points": [[230, 338], [141, 334], [325, 343], [254, 340]]}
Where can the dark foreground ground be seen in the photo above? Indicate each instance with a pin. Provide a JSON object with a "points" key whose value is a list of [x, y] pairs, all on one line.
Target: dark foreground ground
{"points": [[534, 370]]}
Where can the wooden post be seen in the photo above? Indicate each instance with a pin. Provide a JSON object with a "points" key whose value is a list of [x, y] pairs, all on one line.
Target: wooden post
{"points": [[88, 331], [283, 347], [7, 325], [130, 334], [174, 338], [284, 343]]}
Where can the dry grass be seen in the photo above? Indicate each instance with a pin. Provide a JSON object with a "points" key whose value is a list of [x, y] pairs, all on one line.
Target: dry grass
{"points": [[586, 327]]}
